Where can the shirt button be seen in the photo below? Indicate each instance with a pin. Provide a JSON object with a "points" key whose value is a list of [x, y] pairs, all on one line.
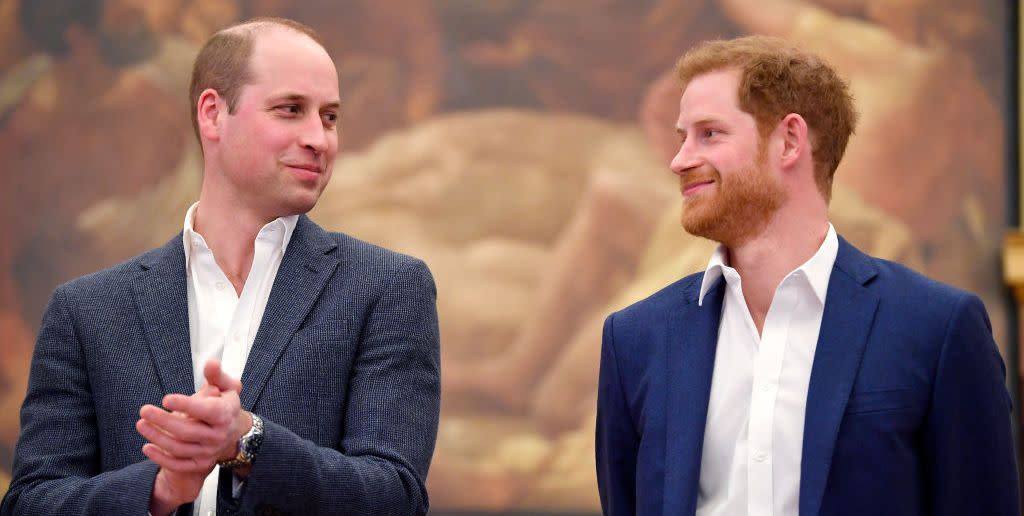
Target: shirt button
{"points": [[760, 456], [237, 337], [220, 285], [766, 386]]}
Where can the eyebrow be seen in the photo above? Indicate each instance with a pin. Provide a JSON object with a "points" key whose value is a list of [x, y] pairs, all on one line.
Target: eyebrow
{"points": [[708, 120], [701, 122]]}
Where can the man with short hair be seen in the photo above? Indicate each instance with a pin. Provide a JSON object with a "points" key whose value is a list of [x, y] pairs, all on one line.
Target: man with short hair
{"points": [[313, 357], [795, 375]]}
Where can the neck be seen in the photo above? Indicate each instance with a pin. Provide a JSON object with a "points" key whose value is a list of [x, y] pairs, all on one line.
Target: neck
{"points": [[791, 238], [230, 233]]}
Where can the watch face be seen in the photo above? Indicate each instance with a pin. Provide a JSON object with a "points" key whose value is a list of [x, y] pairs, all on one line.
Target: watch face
{"points": [[251, 441]]}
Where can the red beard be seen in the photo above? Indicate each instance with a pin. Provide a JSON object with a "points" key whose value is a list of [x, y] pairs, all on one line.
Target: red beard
{"points": [[736, 207]]}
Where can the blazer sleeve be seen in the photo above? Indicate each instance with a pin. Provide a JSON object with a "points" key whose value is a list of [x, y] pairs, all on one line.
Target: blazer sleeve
{"points": [[390, 423], [616, 440], [57, 457], [969, 445]]}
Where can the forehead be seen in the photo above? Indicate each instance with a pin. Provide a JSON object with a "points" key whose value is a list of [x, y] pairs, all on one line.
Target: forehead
{"points": [[713, 95], [284, 61]]}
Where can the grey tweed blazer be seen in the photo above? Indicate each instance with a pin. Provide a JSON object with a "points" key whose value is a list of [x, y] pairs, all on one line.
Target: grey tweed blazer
{"points": [[345, 371]]}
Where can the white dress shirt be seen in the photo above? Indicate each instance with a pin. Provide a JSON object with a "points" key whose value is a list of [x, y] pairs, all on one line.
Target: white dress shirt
{"points": [[223, 324], [753, 438]]}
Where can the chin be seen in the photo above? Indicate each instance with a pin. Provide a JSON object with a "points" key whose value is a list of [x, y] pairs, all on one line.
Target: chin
{"points": [[302, 201], [301, 206], [694, 217], [704, 225], [298, 209]]}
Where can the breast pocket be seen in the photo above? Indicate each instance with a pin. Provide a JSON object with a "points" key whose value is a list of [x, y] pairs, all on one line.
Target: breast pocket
{"points": [[880, 401], [325, 351], [321, 331], [308, 385]]}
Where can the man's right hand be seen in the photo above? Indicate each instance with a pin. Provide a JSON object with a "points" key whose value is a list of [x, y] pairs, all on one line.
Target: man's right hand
{"points": [[178, 481], [188, 439], [173, 489]]}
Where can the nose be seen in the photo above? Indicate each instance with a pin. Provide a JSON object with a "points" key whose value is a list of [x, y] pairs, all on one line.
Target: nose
{"points": [[685, 159], [315, 136]]}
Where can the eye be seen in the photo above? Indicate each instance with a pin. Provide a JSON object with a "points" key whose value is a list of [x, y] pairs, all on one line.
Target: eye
{"points": [[290, 109], [330, 118], [710, 133]]}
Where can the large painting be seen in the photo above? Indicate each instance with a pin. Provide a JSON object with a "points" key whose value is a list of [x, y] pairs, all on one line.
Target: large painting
{"points": [[521, 148]]}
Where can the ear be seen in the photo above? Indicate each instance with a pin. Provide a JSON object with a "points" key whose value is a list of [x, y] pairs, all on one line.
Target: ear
{"points": [[796, 144], [210, 110]]}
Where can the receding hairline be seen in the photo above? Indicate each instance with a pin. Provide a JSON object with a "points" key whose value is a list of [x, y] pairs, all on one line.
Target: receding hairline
{"points": [[224, 63], [250, 28]]}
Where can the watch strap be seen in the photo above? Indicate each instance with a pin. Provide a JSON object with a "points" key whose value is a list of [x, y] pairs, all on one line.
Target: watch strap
{"points": [[248, 445]]}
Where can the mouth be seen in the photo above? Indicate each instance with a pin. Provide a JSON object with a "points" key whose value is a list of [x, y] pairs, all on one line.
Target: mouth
{"points": [[692, 188], [309, 167], [305, 172]]}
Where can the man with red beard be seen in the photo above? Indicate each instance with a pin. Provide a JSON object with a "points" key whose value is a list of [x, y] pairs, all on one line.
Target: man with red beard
{"points": [[795, 375]]}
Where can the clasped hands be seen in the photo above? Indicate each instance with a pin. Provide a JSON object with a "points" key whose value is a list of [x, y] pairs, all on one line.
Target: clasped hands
{"points": [[194, 433]]}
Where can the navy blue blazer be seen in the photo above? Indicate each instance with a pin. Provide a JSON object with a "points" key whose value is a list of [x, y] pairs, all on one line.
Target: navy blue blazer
{"points": [[344, 370], [907, 412]]}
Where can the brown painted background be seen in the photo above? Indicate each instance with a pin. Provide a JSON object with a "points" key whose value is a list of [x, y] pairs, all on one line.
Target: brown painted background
{"points": [[520, 147]]}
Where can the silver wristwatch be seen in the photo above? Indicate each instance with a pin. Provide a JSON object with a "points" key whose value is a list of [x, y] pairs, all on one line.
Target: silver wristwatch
{"points": [[248, 445]]}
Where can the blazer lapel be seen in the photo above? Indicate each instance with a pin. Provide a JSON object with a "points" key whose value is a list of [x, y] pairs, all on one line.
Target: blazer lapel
{"points": [[162, 297], [305, 269], [692, 340], [845, 327]]}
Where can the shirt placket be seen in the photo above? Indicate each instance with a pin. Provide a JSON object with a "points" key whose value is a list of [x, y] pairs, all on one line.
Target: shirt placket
{"points": [[767, 369], [238, 339], [216, 299], [215, 290], [213, 286]]}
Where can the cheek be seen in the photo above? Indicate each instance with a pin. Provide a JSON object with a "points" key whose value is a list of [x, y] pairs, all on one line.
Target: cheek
{"points": [[333, 143], [731, 161], [258, 134], [328, 173], [272, 139]]}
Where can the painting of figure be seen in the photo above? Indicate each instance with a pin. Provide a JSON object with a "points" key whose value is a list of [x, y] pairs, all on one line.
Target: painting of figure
{"points": [[521, 149]]}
